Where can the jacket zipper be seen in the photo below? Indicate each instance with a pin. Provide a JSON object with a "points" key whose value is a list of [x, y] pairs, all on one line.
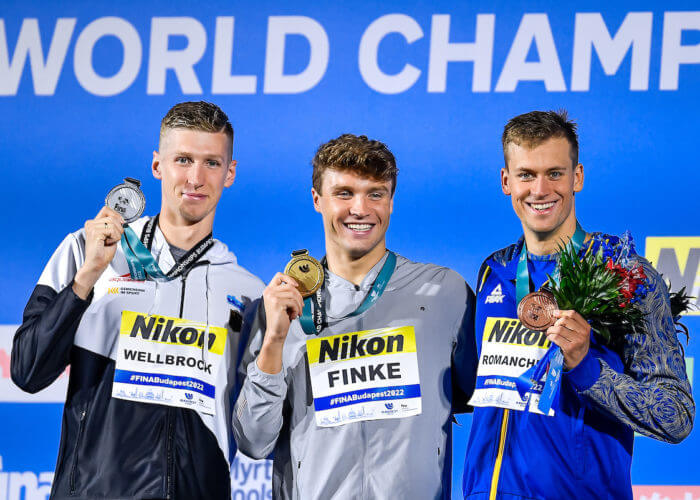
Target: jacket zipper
{"points": [[170, 459], [184, 282], [169, 414], [170, 463], [499, 456], [74, 467]]}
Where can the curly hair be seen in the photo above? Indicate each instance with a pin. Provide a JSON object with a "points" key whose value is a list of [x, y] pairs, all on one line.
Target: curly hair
{"points": [[533, 128], [356, 154]]}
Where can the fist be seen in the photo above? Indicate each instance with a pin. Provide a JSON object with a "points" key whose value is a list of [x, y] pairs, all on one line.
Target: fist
{"points": [[101, 237], [572, 333], [283, 303]]}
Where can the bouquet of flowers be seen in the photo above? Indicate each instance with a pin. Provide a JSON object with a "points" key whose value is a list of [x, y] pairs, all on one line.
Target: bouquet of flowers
{"points": [[606, 286]]}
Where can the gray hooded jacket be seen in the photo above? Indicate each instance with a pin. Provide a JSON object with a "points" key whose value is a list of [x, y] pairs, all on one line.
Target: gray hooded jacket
{"points": [[405, 458]]}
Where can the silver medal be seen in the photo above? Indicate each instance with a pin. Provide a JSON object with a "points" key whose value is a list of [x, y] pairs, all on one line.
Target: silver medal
{"points": [[127, 199]]}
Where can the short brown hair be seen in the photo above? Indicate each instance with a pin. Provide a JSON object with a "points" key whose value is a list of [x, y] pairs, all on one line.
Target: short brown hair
{"points": [[533, 128], [202, 116], [356, 154]]}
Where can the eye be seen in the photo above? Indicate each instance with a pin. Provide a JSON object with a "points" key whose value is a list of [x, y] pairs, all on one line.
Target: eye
{"points": [[345, 195], [376, 195], [182, 160], [556, 174], [524, 175], [212, 163]]}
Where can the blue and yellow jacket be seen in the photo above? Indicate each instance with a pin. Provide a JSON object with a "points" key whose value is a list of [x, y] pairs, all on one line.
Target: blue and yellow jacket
{"points": [[585, 449]]}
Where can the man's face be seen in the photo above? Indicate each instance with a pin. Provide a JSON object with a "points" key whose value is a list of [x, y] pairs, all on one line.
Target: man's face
{"points": [[355, 210], [194, 168], [541, 184]]}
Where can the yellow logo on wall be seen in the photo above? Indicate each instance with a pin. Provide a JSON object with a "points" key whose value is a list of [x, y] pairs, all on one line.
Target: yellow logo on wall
{"points": [[678, 259]]}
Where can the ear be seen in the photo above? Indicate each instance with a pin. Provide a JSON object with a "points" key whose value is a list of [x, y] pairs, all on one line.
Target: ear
{"points": [[505, 186], [155, 166], [230, 174], [578, 178], [316, 196]]}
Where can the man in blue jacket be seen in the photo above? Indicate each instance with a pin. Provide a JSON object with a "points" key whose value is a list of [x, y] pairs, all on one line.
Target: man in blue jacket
{"points": [[583, 447]]}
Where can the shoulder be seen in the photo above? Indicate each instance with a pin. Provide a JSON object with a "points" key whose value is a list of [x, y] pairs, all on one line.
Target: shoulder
{"points": [[499, 258], [227, 263], [422, 275]]}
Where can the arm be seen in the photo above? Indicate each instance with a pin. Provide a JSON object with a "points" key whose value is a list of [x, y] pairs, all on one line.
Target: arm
{"points": [[464, 357], [43, 342], [653, 396], [257, 415]]}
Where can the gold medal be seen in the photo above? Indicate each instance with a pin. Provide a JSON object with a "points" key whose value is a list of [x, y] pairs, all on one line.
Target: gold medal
{"points": [[306, 270]]}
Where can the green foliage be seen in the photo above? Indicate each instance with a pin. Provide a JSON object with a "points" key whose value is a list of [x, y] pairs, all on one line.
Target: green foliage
{"points": [[588, 287], [681, 302]]}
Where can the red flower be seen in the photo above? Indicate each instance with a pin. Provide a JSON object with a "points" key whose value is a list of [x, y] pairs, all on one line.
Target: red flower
{"points": [[630, 279]]}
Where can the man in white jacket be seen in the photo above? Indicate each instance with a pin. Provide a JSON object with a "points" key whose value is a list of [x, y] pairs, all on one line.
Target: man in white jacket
{"points": [[152, 361]]}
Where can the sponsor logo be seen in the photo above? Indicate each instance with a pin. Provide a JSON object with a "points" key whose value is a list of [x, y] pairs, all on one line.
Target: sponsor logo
{"points": [[678, 260], [188, 395], [496, 296], [342, 347], [389, 406], [125, 290], [177, 331], [511, 331], [123, 277], [233, 300]]}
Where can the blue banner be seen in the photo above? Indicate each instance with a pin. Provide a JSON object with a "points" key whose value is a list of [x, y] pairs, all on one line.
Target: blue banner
{"points": [[83, 87]]}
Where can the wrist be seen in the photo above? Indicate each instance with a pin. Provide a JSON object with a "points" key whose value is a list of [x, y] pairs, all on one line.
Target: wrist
{"points": [[84, 281], [272, 344], [270, 358]]}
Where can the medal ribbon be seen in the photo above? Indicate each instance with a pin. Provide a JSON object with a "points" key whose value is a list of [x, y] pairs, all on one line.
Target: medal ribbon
{"points": [[312, 324], [142, 264], [552, 362]]}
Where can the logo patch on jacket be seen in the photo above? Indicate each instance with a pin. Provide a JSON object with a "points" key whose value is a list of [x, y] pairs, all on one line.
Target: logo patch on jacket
{"points": [[496, 296]]}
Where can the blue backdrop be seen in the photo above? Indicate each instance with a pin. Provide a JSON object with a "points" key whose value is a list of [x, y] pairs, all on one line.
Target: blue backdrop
{"points": [[83, 86]]}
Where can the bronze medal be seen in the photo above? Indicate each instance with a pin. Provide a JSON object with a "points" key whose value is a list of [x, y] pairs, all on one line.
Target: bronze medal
{"points": [[306, 270], [536, 310]]}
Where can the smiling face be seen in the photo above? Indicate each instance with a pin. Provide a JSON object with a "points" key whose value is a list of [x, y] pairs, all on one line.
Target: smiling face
{"points": [[356, 212], [194, 168], [541, 183]]}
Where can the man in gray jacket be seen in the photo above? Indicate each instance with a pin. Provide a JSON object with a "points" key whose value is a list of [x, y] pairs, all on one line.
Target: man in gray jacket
{"points": [[352, 389]]}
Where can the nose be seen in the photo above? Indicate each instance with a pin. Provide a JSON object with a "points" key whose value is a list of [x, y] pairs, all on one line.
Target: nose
{"points": [[195, 174], [540, 186], [358, 207]]}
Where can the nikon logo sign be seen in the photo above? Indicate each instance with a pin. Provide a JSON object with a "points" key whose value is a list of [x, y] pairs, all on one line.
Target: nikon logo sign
{"points": [[678, 259], [179, 331]]}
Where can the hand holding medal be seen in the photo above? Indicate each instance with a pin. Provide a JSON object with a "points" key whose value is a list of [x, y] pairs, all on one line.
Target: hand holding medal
{"points": [[284, 296], [124, 203]]}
